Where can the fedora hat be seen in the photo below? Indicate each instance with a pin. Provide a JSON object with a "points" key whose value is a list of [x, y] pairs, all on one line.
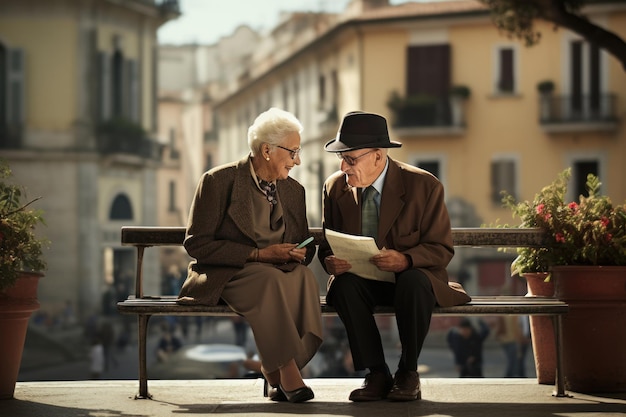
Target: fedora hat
{"points": [[361, 130]]}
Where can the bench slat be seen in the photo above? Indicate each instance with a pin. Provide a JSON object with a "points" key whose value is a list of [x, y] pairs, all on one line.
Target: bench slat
{"points": [[509, 305]]}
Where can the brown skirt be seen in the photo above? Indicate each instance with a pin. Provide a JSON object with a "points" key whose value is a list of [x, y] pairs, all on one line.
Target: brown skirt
{"points": [[283, 311]]}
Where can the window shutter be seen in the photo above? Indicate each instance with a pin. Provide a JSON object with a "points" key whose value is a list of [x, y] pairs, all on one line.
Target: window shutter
{"points": [[428, 70], [507, 81], [16, 109], [104, 87], [133, 90], [502, 179]]}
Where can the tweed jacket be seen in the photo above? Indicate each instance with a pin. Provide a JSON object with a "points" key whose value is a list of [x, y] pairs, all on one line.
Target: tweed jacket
{"points": [[220, 231], [413, 220]]}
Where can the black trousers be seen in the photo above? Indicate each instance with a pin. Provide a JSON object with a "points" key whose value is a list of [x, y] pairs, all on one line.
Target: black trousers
{"points": [[354, 299]]}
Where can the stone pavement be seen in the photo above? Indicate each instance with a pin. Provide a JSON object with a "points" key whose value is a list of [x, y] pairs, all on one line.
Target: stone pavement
{"points": [[242, 397]]}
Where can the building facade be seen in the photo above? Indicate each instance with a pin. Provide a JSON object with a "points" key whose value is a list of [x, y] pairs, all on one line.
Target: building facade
{"points": [[463, 99], [77, 127]]}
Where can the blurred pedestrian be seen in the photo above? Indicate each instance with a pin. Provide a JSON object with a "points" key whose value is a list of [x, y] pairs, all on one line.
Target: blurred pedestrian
{"points": [[169, 343], [466, 343], [96, 358], [514, 336]]}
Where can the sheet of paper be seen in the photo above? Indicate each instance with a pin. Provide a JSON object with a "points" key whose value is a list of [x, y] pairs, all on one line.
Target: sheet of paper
{"points": [[358, 250]]}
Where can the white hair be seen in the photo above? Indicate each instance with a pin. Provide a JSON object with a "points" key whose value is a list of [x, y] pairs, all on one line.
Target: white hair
{"points": [[272, 126]]}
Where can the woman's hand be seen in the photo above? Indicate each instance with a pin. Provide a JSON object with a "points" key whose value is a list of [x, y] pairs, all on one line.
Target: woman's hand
{"points": [[282, 253]]}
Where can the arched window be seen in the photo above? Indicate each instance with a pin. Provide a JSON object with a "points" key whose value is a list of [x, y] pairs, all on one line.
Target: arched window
{"points": [[121, 209]]}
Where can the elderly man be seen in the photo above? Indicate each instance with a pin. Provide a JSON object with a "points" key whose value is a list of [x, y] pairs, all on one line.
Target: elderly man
{"points": [[403, 208]]}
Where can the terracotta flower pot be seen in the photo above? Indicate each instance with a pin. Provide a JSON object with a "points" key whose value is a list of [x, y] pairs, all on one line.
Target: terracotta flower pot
{"points": [[16, 306], [542, 330], [594, 340]]}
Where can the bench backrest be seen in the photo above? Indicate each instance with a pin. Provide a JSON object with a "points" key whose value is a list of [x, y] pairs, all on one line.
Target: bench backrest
{"points": [[462, 236], [143, 237]]}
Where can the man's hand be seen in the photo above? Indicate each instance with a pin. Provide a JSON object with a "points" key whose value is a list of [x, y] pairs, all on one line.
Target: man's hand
{"points": [[336, 266], [390, 260]]}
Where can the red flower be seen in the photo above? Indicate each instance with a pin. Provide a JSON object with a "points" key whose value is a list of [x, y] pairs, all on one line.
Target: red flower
{"points": [[559, 238], [540, 208]]}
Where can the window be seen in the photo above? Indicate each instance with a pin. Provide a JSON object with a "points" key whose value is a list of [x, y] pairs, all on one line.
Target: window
{"points": [[431, 166], [12, 109], [118, 87], [296, 93], [172, 197], [428, 70], [118, 84], [585, 80], [581, 169], [121, 209], [285, 96], [434, 163], [505, 69], [507, 80], [322, 90], [174, 153], [503, 178]]}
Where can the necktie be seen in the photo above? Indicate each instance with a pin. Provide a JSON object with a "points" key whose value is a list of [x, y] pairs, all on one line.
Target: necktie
{"points": [[369, 214]]}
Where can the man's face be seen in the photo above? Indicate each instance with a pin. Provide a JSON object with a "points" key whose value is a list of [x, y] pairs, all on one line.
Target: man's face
{"points": [[362, 166]]}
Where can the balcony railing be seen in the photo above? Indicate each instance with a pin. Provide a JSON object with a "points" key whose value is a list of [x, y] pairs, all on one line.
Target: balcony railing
{"points": [[120, 136], [573, 113], [422, 115], [143, 147]]}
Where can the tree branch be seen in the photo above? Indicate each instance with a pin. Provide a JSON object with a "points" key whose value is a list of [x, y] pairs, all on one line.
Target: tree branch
{"points": [[555, 11]]}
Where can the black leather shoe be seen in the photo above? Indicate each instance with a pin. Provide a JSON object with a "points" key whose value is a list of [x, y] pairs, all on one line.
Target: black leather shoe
{"points": [[375, 387], [406, 386], [298, 395]]}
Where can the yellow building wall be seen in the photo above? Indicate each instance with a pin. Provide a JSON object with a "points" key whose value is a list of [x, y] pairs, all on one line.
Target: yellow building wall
{"points": [[496, 125], [384, 68], [50, 96]]}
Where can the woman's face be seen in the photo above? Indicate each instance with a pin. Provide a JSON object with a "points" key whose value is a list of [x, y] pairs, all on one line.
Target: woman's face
{"points": [[284, 156]]}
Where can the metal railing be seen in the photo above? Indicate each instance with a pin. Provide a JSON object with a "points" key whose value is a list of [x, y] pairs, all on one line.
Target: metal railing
{"points": [[590, 108]]}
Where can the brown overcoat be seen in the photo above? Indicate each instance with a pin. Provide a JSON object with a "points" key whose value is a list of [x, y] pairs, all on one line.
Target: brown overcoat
{"points": [[413, 220], [220, 230]]}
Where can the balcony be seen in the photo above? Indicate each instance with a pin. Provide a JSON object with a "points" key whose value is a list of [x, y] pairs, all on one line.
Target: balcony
{"points": [[428, 116], [587, 113], [118, 136]]}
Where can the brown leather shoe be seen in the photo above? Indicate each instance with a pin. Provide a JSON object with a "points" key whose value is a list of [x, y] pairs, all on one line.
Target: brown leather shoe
{"points": [[406, 387], [374, 388]]}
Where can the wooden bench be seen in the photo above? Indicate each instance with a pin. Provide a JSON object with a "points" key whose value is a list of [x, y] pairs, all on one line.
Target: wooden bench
{"points": [[145, 306]]}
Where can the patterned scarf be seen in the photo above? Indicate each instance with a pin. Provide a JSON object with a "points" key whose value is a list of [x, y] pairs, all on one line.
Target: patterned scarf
{"points": [[270, 191]]}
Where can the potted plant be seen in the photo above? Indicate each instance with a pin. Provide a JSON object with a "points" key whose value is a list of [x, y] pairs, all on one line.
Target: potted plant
{"points": [[460, 91], [458, 94], [545, 88], [21, 263], [587, 263], [533, 264]]}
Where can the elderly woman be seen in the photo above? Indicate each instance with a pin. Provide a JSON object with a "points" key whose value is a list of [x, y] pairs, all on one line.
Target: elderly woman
{"points": [[246, 221]]}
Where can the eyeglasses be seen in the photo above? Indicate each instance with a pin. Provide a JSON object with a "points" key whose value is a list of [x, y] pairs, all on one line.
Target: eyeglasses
{"points": [[294, 152], [351, 160]]}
